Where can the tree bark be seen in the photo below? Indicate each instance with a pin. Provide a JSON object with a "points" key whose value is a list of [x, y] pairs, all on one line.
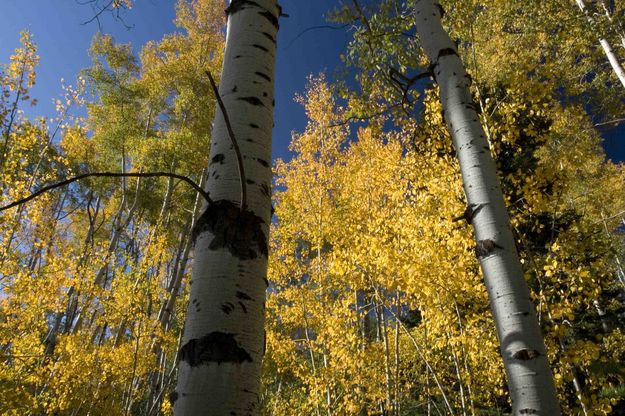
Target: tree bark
{"points": [[523, 350], [223, 342]]}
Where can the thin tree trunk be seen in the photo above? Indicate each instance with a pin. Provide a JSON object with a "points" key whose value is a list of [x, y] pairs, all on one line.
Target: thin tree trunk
{"points": [[397, 404], [464, 358], [224, 339], [383, 328], [615, 27], [607, 48], [523, 350]]}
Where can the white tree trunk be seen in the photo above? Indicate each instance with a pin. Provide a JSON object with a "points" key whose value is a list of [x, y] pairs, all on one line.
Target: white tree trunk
{"points": [[607, 48], [529, 377], [223, 342]]}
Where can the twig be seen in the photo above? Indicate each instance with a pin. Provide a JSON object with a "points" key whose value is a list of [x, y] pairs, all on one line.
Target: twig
{"points": [[308, 29], [113, 6], [364, 118], [107, 175], [233, 139]]}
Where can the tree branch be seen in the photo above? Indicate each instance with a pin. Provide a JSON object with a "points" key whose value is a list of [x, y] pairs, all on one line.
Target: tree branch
{"points": [[611, 122], [73, 179], [233, 139], [308, 29]]}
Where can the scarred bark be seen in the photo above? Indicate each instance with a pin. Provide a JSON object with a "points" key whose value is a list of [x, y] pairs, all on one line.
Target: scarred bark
{"points": [[223, 342], [529, 377]]}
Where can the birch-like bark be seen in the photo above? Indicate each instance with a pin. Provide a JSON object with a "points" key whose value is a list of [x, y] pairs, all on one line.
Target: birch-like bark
{"points": [[523, 350], [607, 48], [223, 342]]}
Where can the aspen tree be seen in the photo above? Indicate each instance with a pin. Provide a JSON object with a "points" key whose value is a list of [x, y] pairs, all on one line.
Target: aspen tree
{"points": [[605, 45], [223, 342], [522, 347]]}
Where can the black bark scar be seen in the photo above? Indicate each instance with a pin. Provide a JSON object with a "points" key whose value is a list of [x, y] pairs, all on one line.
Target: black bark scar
{"points": [[243, 296], [252, 100], [485, 247], [216, 347], [268, 36], [238, 231], [263, 76], [441, 10], [469, 213], [261, 47], [219, 158], [271, 17], [526, 354], [446, 52], [441, 53]]}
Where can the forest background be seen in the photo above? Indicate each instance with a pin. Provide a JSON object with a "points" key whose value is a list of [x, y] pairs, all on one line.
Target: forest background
{"points": [[364, 262]]}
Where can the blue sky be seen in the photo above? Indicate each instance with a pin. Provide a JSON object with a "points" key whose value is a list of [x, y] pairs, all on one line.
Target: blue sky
{"points": [[57, 26], [63, 41]]}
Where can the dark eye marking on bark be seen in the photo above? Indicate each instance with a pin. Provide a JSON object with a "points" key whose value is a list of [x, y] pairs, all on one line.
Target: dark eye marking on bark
{"points": [[263, 76], [441, 53], [525, 355], [251, 100], [469, 213], [254, 126], [269, 16], [238, 5], [263, 162], [216, 347], [471, 106], [265, 189], [243, 307], [268, 36], [446, 52], [243, 296], [227, 308], [261, 47], [238, 231], [441, 10], [250, 182], [484, 248], [528, 412], [219, 158]]}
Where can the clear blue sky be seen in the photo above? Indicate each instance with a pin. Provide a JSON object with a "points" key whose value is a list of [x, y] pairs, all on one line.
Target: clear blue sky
{"points": [[63, 41]]}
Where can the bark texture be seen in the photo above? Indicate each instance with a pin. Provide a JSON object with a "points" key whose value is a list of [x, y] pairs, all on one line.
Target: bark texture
{"points": [[529, 377], [223, 342]]}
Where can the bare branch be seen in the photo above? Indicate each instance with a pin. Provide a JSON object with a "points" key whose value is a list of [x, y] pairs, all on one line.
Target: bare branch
{"points": [[308, 29], [112, 6], [611, 122], [73, 179], [233, 139]]}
